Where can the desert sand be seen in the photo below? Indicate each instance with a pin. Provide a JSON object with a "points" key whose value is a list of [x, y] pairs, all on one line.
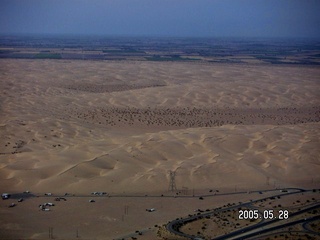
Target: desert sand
{"points": [[120, 127]]}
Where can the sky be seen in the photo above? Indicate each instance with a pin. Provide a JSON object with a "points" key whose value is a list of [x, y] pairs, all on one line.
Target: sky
{"points": [[175, 18]]}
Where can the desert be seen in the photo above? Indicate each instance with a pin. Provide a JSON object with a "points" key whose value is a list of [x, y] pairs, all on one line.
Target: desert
{"points": [[159, 120], [73, 126]]}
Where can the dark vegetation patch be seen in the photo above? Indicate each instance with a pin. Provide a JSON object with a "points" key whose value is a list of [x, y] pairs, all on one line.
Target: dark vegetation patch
{"points": [[6, 51], [169, 58], [123, 51], [282, 60], [45, 55], [274, 51], [173, 118]]}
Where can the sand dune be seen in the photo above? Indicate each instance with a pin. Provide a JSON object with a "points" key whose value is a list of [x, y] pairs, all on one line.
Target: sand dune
{"points": [[122, 127], [220, 156]]}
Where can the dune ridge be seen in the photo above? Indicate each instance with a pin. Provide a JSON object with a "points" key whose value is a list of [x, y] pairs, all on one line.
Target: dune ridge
{"points": [[206, 157], [121, 127]]}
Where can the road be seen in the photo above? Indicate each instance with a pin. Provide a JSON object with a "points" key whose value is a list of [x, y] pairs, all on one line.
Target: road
{"points": [[251, 231], [246, 232]]}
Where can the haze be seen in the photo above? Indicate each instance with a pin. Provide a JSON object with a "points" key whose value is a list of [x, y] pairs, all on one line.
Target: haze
{"points": [[180, 18]]}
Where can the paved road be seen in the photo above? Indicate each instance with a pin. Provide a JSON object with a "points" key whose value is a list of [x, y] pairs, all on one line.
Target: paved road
{"points": [[247, 232], [175, 225], [27, 195], [262, 231]]}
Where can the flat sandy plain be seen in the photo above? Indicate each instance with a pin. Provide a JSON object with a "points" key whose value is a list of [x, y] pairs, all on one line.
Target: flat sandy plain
{"points": [[71, 126]]}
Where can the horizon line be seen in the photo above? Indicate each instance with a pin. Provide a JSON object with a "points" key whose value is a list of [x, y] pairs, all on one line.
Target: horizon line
{"points": [[97, 35]]}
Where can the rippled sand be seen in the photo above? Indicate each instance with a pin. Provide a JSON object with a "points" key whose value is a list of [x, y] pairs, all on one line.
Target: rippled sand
{"points": [[83, 126]]}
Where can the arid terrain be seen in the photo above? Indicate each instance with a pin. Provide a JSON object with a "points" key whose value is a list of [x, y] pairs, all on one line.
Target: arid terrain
{"points": [[79, 126]]}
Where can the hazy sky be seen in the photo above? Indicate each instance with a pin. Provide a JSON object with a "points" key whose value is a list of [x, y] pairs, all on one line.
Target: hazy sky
{"points": [[195, 18]]}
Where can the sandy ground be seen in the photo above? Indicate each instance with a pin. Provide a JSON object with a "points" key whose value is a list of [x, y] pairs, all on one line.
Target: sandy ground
{"points": [[120, 127], [106, 218]]}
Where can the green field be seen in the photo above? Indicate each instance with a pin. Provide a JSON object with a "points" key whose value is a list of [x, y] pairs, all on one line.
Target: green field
{"points": [[48, 56]]}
